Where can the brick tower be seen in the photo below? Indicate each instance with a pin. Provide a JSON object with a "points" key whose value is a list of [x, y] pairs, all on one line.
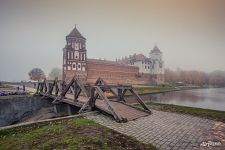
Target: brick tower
{"points": [[75, 56]]}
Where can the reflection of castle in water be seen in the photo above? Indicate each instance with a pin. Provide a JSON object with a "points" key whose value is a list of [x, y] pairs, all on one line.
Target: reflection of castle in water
{"points": [[178, 96], [200, 98]]}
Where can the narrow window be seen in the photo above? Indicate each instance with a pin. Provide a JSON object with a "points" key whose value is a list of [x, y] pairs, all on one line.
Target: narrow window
{"points": [[68, 55], [71, 55]]}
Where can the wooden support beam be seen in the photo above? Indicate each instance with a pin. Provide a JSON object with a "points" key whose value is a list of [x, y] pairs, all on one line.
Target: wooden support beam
{"points": [[92, 95], [46, 86], [63, 85], [38, 88], [120, 91], [84, 106], [41, 87], [52, 87], [81, 86], [110, 107], [75, 85], [78, 93], [122, 95], [67, 87], [56, 88], [139, 99]]}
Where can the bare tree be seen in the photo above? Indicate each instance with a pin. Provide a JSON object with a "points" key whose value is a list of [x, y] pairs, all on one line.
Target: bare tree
{"points": [[36, 74], [55, 73], [216, 78]]}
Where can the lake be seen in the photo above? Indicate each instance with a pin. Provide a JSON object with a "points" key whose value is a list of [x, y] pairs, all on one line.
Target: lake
{"points": [[213, 98]]}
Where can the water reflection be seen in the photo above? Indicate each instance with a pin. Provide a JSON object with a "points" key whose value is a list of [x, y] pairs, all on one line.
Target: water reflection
{"points": [[202, 98]]}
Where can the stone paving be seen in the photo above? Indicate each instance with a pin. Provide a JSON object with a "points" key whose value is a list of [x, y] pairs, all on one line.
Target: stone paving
{"points": [[166, 130]]}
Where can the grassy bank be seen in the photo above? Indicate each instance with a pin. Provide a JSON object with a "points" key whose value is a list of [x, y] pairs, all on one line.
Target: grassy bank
{"points": [[77, 133], [5, 86], [206, 113], [154, 89]]}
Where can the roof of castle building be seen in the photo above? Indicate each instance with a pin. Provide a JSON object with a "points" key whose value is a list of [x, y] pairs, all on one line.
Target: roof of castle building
{"points": [[139, 57], [134, 58], [107, 62], [155, 50], [75, 33]]}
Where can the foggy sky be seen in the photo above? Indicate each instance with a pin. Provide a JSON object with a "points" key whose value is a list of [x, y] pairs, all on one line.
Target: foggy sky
{"points": [[190, 33]]}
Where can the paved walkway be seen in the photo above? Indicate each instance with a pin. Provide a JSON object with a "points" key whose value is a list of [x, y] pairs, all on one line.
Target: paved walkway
{"points": [[167, 130]]}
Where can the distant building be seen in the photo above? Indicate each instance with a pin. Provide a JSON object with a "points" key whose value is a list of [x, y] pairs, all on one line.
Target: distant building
{"points": [[153, 65], [135, 69]]}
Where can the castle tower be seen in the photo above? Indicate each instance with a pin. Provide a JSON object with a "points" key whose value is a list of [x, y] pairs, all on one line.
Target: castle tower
{"points": [[155, 54], [157, 65], [75, 56]]}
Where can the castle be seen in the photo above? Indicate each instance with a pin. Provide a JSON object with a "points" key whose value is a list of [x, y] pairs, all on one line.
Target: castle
{"points": [[135, 69]]}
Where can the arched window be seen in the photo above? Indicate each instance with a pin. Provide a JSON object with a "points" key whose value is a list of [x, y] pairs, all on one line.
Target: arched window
{"points": [[74, 66]]}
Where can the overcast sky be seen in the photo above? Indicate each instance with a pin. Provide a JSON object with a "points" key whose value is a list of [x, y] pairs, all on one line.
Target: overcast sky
{"points": [[190, 33]]}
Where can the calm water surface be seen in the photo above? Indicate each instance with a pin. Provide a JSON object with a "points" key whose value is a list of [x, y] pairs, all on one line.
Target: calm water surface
{"points": [[203, 98]]}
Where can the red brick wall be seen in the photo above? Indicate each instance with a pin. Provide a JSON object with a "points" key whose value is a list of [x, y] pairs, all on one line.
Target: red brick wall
{"points": [[82, 75], [114, 74]]}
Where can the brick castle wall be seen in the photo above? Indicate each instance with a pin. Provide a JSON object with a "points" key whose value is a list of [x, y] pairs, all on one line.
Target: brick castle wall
{"points": [[113, 74], [116, 74]]}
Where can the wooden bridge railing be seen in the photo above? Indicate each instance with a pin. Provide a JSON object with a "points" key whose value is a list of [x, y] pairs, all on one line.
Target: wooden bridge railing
{"points": [[90, 92]]}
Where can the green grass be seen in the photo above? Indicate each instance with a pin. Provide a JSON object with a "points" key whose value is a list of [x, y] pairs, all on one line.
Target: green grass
{"points": [[206, 113], [5, 86], [155, 89], [72, 134]]}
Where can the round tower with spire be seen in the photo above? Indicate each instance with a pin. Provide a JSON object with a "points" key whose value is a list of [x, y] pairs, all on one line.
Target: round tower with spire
{"points": [[157, 65], [75, 56]]}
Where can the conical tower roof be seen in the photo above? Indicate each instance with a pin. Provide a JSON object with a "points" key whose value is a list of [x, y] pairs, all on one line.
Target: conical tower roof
{"points": [[155, 50], [75, 33]]}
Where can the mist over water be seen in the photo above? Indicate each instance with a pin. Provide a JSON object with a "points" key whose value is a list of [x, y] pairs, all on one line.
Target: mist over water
{"points": [[190, 33], [201, 98]]}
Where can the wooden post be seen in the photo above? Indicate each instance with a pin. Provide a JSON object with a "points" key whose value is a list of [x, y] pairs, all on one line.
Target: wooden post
{"points": [[75, 90], [56, 87], [122, 95], [92, 97], [38, 88], [41, 87]]}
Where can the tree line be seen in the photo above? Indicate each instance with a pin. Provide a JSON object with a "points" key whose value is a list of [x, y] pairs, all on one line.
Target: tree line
{"points": [[38, 74], [194, 77]]}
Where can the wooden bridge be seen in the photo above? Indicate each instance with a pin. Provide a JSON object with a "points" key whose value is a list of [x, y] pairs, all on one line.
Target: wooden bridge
{"points": [[89, 97]]}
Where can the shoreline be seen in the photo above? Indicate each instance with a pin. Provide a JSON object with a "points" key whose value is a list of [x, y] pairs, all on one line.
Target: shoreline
{"points": [[216, 115], [166, 91]]}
